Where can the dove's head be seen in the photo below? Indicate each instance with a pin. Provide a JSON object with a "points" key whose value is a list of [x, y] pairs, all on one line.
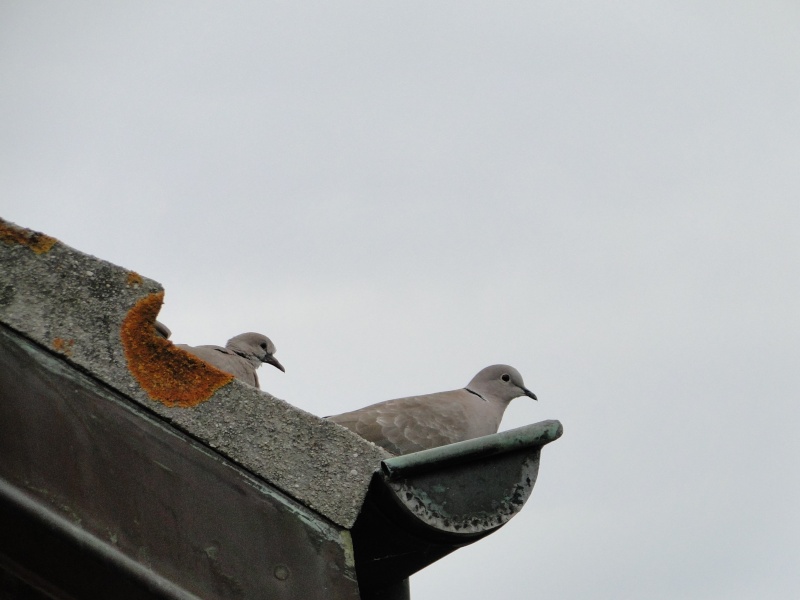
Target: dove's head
{"points": [[501, 382], [255, 347]]}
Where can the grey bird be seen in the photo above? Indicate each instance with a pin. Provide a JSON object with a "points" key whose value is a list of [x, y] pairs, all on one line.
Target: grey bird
{"points": [[417, 423], [240, 357]]}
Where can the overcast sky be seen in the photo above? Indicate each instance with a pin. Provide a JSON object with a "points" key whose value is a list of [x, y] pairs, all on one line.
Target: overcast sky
{"points": [[605, 195]]}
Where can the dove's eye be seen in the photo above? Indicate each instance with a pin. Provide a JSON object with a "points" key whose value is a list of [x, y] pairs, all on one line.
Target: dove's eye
{"points": [[505, 377], [263, 345]]}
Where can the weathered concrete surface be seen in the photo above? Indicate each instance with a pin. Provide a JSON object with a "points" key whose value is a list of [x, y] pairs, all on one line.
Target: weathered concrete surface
{"points": [[103, 499], [99, 316]]}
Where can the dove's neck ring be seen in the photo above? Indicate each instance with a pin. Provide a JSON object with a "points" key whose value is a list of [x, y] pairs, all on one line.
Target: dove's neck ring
{"points": [[251, 358], [476, 393]]}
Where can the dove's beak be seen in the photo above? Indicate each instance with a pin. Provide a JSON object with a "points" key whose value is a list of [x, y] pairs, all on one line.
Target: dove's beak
{"points": [[529, 393], [274, 362]]}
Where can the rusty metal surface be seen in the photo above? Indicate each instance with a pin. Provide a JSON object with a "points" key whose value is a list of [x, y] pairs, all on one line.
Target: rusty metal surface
{"points": [[425, 505], [119, 489]]}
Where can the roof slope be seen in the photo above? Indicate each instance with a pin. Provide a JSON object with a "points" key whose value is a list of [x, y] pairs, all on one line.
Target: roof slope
{"points": [[99, 317]]}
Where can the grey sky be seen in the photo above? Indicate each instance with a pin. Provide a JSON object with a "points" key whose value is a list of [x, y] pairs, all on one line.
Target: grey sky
{"points": [[604, 195]]}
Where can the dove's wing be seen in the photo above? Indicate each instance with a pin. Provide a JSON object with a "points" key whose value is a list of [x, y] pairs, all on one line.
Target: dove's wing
{"points": [[414, 423], [225, 360]]}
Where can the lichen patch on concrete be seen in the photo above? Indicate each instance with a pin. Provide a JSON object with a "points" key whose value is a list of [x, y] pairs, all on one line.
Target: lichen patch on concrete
{"points": [[64, 346], [134, 279], [38, 242], [168, 374]]}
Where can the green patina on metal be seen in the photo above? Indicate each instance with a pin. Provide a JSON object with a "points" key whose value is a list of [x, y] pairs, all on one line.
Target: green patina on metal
{"points": [[537, 434]]}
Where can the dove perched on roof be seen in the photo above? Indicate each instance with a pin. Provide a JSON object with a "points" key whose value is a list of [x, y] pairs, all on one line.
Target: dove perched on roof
{"points": [[417, 423], [240, 357]]}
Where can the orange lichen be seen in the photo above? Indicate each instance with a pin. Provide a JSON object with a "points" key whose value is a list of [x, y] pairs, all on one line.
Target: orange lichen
{"points": [[134, 278], [168, 374], [63, 346], [38, 242]]}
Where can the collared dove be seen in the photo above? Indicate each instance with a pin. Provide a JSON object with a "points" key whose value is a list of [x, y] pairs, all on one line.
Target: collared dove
{"points": [[240, 357], [417, 423]]}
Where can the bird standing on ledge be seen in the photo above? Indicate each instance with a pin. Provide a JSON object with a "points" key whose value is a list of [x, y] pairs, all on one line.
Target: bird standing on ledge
{"points": [[417, 423], [240, 357]]}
